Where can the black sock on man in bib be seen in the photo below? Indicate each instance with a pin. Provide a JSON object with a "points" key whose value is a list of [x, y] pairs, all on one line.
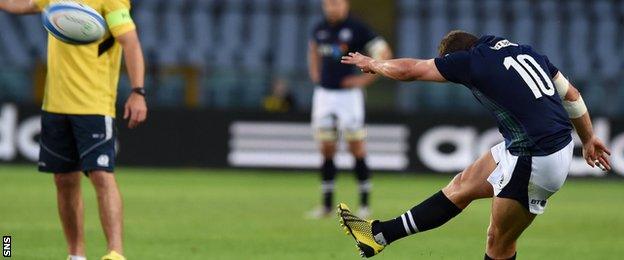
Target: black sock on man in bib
{"points": [[429, 214], [363, 175], [487, 257], [328, 174]]}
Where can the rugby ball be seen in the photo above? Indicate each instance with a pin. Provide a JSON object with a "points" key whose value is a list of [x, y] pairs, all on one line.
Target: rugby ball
{"points": [[74, 23]]}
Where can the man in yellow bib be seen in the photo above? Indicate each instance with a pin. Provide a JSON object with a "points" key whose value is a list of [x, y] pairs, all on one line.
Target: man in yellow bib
{"points": [[77, 123]]}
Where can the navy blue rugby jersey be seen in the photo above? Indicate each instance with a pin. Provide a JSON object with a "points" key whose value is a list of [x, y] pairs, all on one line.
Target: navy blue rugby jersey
{"points": [[335, 41], [515, 83]]}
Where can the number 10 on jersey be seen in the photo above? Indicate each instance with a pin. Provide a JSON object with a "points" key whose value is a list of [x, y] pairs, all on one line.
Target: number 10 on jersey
{"points": [[526, 66]]}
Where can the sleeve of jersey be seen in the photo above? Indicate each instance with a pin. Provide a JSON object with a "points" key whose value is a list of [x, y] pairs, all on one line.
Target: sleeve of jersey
{"points": [[41, 4], [552, 70], [455, 67], [367, 35], [118, 18], [313, 33]]}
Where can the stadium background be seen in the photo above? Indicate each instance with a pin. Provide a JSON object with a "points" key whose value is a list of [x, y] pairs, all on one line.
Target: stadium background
{"points": [[212, 64]]}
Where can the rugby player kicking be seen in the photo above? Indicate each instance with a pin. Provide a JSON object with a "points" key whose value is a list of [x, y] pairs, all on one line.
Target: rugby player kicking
{"points": [[535, 107]]}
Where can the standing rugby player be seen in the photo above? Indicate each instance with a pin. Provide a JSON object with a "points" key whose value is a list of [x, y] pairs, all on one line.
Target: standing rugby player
{"points": [[535, 107], [77, 124], [338, 102]]}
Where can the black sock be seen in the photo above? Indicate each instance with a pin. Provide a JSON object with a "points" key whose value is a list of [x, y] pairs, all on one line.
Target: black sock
{"points": [[429, 214], [487, 257], [362, 172], [328, 174]]}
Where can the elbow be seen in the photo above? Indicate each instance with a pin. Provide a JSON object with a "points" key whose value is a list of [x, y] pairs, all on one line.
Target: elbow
{"points": [[572, 95], [407, 76]]}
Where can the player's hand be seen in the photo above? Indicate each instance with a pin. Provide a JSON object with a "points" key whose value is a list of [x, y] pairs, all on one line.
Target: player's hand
{"points": [[361, 61], [596, 154], [135, 110]]}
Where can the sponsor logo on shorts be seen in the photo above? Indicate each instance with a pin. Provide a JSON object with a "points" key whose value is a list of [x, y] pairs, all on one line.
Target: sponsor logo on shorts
{"points": [[6, 246], [538, 202], [103, 160]]}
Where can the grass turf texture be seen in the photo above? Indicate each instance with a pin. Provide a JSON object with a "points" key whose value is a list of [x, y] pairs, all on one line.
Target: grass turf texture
{"points": [[230, 214]]}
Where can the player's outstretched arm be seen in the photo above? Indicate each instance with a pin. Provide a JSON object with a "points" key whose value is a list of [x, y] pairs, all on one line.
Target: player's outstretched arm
{"points": [[135, 109], [19, 6], [397, 69], [594, 151]]}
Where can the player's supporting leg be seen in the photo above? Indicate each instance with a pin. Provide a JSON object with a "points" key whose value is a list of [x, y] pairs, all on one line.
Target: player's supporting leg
{"points": [[509, 219], [467, 186], [362, 172], [328, 174], [71, 211], [110, 208]]}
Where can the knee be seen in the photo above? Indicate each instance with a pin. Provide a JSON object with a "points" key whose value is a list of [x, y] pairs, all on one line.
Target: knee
{"points": [[357, 149], [101, 179], [456, 187], [460, 191], [328, 150], [498, 247], [491, 237], [67, 181]]}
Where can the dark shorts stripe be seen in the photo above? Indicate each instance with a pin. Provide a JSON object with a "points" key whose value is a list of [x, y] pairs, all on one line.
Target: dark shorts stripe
{"points": [[518, 187]]}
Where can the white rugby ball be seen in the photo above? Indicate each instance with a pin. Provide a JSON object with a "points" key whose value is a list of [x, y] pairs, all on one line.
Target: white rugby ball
{"points": [[74, 23]]}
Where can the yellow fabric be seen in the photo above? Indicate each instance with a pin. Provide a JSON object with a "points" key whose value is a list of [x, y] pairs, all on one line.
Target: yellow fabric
{"points": [[113, 255], [119, 18], [79, 80], [355, 135], [41, 3], [326, 135]]}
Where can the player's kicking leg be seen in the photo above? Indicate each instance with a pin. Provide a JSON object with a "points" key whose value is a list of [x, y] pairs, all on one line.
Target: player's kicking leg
{"points": [[373, 236], [111, 212]]}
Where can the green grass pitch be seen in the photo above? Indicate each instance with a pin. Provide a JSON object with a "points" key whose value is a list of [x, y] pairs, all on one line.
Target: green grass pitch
{"points": [[239, 214]]}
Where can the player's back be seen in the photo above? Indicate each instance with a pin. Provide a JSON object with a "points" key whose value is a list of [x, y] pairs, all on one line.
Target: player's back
{"points": [[515, 83]]}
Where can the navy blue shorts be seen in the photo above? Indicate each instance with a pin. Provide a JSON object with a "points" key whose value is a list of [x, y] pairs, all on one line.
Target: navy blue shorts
{"points": [[71, 143]]}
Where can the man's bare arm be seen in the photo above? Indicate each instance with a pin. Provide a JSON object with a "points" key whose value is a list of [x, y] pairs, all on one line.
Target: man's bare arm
{"points": [[314, 63], [135, 108], [133, 56], [19, 6], [397, 69], [594, 151]]}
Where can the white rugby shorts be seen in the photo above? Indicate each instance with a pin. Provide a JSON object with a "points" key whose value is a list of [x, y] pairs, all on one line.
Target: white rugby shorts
{"points": [[339, 110], [530, 180]]}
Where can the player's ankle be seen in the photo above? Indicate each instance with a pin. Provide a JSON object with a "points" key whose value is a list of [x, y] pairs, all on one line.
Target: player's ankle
{"points": [[378, 234]]}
